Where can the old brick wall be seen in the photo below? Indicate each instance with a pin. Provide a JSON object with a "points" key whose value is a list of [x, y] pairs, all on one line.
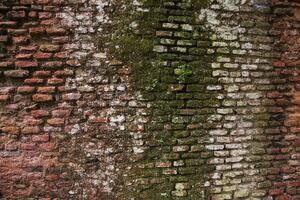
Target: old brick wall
{"points": [[210, 112]]}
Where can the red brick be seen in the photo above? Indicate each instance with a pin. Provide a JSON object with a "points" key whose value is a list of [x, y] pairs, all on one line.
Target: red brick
{"points": [[33, 80], [294, 79], [56, 121], [46, 89], [25, 89], [20, 40], [37, 30], [24, 64], [42, 97], [6, 64], [55, 81], [61, 113], [33, 14], [3, 38], [11, 130], [52, 64], [6, 90], [31, 130], [73, 63], [293, 63], [55, 31], [52, 177], [16, 14], [49, 48], [41, 138], [98, 120], [28, 48], [41, 55], [8, 24], [28, 146], [41, 73], [45, 15], [24, 55], [4, 97], [32, 121], [276, 191], [26, 2], [39, 113], [48, 146], [61, 73], [49, 22], [42, 1], [61, 55]]}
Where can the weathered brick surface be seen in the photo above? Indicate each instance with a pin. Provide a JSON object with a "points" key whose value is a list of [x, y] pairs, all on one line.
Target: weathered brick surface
{"points": [[218, 120]]}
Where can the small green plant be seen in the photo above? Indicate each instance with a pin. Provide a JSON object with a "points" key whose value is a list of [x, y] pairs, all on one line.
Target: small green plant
{"points": [[183, 72], [152, 85]]}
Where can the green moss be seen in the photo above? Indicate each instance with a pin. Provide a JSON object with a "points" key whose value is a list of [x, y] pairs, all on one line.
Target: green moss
{"points": [[134, 38]]}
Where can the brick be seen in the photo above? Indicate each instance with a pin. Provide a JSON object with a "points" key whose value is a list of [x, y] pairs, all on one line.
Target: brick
{"points": [[98, 120], [16, 73], [56, 121], [46, 89], [20, 40], [6, 90], [71, 96], [33, 14], [61, 113], [61, 73], [48, 146], [3, 38], [6, 64], [11, 130], [33, 80], [41, 55], [24, 56], [42, 98], [8, 24], [55, 81], [4, 98], [45, 15], [26, 64], [52, 64], [37, 30], [26, 2], [49, 48], [41, 73], [55, 31], [30, 130], [62, 55], [40, 113], [43, 2], [41, 138], [28, 48], [25, 89], [16, 14]]}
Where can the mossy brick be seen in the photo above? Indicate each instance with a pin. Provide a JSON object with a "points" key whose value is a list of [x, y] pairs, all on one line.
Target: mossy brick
{"points": [[195, 88], [188, 170], [182, 34], [194, 162], [184, 96], [180, 134], [190, 155], [180, 19], [199, 118], [197, 51], [194, 104]]}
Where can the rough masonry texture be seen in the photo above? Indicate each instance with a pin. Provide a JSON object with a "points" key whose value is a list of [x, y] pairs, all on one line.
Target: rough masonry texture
{"points": [[150, 99]]}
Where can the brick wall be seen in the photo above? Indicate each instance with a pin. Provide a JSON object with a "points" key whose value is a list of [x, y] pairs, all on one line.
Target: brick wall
{"points": [[210, 112]]}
